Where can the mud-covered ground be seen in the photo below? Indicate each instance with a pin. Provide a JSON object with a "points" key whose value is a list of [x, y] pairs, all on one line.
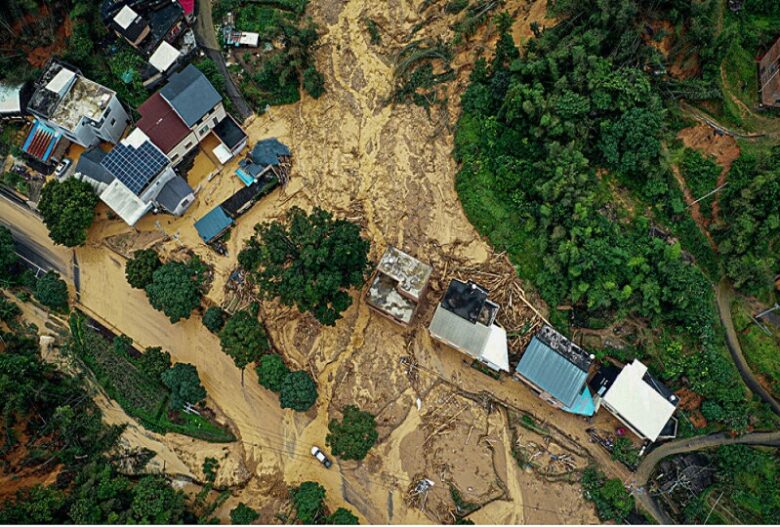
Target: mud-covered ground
{"points": [[390, 169]]}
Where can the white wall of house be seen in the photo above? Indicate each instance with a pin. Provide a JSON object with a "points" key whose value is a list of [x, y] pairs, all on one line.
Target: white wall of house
{"points": [[114, 122], [209, 121], [179, 151]]}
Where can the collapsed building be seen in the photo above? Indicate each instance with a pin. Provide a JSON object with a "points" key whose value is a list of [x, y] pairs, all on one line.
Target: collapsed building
{"points": [[466, 320], [398, 285]]}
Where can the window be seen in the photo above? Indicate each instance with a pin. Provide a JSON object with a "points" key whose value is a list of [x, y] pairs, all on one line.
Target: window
{"points": [[175, 157], [188, 145], [216, 122], [108, 111], [113, 122], [204, 130]]}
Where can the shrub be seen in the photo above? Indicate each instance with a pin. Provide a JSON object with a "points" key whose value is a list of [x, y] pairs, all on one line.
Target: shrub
{"points": [[140, 269], [307, 501], [154, 362], [214, 319], [183, 382], [342, 516], [243, 515], [51, 291]]}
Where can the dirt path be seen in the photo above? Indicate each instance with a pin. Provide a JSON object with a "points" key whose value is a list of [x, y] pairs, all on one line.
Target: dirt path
{"points": [[681, 446], [724, 297], [693, 208]]}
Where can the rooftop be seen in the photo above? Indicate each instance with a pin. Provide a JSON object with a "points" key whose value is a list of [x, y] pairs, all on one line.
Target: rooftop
{"points": [[85, 99], [229, 132], [164, 57], [161, 124], [485, 343], [213, 224], [124, 202], [172, 193], [45, 98], [469, 301], [191, 94], [10, 97], [89, 166], [410, 274], [135, 162], [383, 294], [565, 347], [269, 152], [639, 403], [555, 373]]}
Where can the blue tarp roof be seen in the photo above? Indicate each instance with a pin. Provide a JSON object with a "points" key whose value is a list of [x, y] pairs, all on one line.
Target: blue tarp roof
{"points": [[213, 224], [552, 372], [583, 405], [268, 151]]}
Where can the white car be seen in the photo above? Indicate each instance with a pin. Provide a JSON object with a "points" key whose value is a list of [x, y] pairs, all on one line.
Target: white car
{"points": [[63, 167], [321, 457]]}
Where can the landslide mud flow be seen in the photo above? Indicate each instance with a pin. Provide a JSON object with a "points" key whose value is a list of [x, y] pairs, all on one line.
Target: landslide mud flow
{"points": [[390, 169]]}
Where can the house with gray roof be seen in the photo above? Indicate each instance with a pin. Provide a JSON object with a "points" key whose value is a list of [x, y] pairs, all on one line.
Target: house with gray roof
{"points": [[557, 370], [135, 178], [465, 320]]}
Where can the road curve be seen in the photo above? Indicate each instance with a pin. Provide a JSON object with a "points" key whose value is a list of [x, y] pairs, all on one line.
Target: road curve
{"points": [[681, 446], [204, 33], [724, 296]]}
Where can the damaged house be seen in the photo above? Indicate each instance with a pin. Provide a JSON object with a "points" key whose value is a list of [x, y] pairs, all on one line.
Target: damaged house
{"points": [[135, 178], [398, 285], [557, 370], [465, 320]]}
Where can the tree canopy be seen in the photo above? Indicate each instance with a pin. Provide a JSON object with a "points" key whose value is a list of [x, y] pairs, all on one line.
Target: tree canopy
{"points": [[184, 383], [244, 339], [342, 516], [309, 260], [354, 435], [8, 255], [154, 362], [214, 319], [241, 514], [141, 267], [308, 499], [298, 391], [271, 372], [175, 290], [51, 291], [68, 209]]}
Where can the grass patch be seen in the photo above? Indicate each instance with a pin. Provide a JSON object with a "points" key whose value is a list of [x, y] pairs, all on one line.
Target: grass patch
{"points": [[761, 350]]}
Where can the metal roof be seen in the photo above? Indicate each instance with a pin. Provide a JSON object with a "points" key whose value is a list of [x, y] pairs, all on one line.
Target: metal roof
{"points": [[551, 372], [484, 343], [173, 192], [213, 224], [191, 94], [89, 166], [161, 123]]}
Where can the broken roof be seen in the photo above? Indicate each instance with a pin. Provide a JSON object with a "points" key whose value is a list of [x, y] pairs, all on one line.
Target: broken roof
{"points": [[191, 94], [636, 399], [769, 75], [383, 295], [161, 124], [553, 372], [410, 273], [470, 302]]}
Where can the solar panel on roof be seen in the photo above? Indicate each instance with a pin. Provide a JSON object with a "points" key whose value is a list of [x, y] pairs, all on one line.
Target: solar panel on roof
{"points": [[135, 168]]}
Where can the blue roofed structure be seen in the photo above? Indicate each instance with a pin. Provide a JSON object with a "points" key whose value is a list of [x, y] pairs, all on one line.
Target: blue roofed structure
{"points": [[557, 369], [269, 152], [191, 94], [135, 165], [213, 225]]}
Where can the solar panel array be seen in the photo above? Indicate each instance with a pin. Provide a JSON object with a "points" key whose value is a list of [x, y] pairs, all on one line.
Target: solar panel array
{"points": [[135, 168]]}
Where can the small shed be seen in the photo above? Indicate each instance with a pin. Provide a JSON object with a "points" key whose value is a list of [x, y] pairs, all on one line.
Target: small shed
{"points": [[213, 225]]}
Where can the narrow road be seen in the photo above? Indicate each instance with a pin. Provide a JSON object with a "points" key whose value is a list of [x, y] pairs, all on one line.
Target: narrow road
{"points": [[724, 296], [681, 446], [207, 39]]}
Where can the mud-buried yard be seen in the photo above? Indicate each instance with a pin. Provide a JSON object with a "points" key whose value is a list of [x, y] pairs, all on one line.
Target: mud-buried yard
{"points": [[390, 169]]}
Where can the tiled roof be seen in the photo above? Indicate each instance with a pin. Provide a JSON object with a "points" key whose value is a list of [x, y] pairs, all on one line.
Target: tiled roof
{"points": [[41, 141], [163, 126]]}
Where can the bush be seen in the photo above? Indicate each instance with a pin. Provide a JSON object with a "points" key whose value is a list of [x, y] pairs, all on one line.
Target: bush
{"points": [[612, 500], [140, 269], [313, 82], [272, 371], [244, 339], [298, 391], [52, 292], [342, 516], [154, 362], [354, 436], [214, 319], [174, 290]]}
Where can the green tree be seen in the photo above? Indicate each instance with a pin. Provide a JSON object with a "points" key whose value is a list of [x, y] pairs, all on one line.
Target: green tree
{"points": [[313, 82], [154, 501], [35, 505], [141, 267], [8, 255], [214, 319], [174, 290], [243, 339], [210, 467], [184, 383], [8, 310], [625, 452], [309, 261], [612, 500], [354, 436], [51, 291], [342, 516], [68, 209], [243, 515], [271, 372], [307, 500], [154, 362], [298, 391]]}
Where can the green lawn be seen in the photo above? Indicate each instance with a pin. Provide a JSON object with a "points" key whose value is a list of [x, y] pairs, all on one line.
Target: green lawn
{"points": [[762, 351]]}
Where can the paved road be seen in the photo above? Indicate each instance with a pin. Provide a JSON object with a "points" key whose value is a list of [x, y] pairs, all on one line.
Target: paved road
{"points": [[32, 238], [207, 39], [681, 446], [724, 297]]}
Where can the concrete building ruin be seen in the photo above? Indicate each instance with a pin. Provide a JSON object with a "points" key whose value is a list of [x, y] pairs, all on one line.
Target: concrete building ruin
{"points": [[398, 285]]}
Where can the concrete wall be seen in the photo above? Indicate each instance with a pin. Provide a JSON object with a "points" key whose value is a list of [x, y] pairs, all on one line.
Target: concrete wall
{"points": [[209, 121], [179, 151], [115, 123]]}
